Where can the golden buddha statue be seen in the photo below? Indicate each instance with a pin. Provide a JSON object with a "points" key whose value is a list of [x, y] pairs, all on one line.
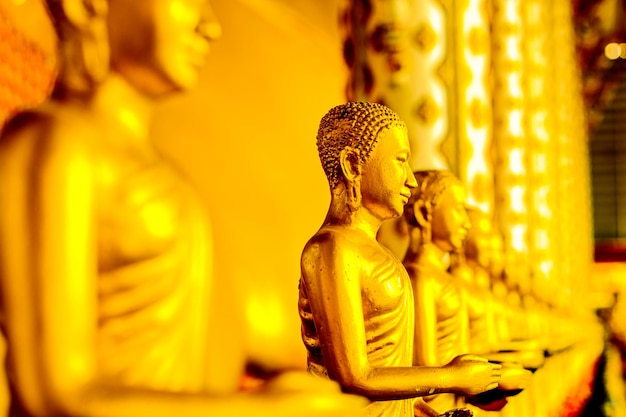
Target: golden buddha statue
{"points": [[105, 254], [439, 223], [499, 289], [356, 301], [481, 255]]}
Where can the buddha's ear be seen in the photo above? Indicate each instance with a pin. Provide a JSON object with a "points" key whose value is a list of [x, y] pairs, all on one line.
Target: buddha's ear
{"points": [[81, 12], [422, 210], [349, 162], [85, 52]]}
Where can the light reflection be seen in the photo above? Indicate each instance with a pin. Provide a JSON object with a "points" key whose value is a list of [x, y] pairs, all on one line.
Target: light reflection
{"points": [[512, 11], [517, 199], [513, 48], [515, 87], [438, 93], [473, 17], [614, 50], [518, 237], [515, 122], [516, 161], [436, 20], [546, 267]]}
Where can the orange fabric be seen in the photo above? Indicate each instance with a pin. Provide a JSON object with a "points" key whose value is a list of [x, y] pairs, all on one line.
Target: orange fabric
{"points": [[25, 77]]}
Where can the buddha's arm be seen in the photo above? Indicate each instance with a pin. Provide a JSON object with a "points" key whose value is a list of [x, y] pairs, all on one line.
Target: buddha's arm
{"points": [[331, 273], [531, 359], [425, 346], [50, 303]]}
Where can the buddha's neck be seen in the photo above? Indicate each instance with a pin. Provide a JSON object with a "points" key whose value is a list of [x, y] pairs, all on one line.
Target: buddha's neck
{"points": [[413, 251], [118, 102], [432, 254], [361, 219], [419, 252]]}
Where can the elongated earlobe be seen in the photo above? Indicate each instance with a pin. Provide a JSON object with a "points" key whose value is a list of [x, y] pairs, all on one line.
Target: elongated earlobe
{"points": [[422, 210], [351, 169], [85, 57], [349, 162], [80, 13]]}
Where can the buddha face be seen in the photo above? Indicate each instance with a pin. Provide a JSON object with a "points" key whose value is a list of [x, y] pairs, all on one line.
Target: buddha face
{"points": [[450, 221], [387, 178], [160, 46]]}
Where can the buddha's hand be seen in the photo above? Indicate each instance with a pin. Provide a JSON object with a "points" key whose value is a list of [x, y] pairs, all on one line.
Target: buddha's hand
{"points": [[514, 377], [474, 374], [295, 381], [307, 395]]}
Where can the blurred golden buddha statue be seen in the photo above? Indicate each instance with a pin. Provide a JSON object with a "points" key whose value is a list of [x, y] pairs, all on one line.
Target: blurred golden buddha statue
{"points": [[476, 265], [499, 289], [438, 225], [105, 254], [356, 301]]}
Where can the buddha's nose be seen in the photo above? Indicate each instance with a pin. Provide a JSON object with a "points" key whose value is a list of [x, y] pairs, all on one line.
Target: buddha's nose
{"points": [[209, 27], [411, 181]]}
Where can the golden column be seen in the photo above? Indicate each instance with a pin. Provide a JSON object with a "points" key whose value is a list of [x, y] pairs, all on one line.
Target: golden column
{"points": [[429, 61], [542, 151], [509, 139], [396, 51], [572, 182], [472, 106]]}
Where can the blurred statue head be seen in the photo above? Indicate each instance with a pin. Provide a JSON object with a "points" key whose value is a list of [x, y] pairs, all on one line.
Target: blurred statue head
{"points": [[158, 46], [437, 206]]}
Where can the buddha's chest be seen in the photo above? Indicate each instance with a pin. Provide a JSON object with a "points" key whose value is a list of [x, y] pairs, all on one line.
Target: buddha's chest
{"points": [[143, 213], [385, 286], [477, 303], [448, 297]]}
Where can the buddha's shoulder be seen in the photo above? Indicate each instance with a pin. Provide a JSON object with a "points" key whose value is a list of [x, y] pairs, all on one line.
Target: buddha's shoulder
{"points": [[49, 130], [425, 274], [336, 242], [334, 237]]}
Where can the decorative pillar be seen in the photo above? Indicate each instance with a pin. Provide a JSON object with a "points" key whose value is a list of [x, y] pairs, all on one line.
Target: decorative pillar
{"points": [[542, 151], [472, 107], [396, 51], [509, 139], [574, 240]]}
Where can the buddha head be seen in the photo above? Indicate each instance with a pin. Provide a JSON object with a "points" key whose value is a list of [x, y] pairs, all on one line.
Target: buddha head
{"points": [[438, 208], [158, 46], [364, 150]]}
